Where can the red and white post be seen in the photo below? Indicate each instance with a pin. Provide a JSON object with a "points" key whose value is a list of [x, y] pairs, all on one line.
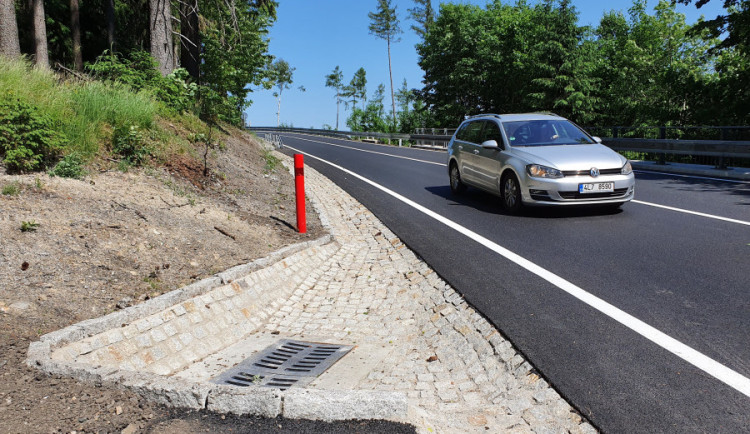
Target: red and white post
{"points": [[299, 184]]}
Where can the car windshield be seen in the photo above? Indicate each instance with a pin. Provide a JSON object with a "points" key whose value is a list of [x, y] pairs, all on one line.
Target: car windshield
{"points": [[545, 133]]}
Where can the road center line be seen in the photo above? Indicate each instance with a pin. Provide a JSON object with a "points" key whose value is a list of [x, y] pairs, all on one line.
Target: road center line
{"points": [[711, 216], [370, 152], [724, 374]]}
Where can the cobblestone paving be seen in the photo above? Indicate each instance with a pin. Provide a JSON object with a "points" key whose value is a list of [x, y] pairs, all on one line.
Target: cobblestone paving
{"points": [[459, 373]]}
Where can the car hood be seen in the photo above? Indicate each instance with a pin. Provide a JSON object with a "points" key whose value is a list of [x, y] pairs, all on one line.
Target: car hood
{"points": [[571, 157]]}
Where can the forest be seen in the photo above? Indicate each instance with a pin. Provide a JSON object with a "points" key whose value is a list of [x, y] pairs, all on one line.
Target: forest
{"points": [[638, 67]]}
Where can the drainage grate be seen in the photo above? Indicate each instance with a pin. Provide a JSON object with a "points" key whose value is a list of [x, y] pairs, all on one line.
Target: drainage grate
{"points": [[283, 365]]}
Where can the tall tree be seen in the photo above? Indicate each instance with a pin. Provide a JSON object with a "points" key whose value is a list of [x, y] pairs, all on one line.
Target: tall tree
{"points": [[335, 80], [384, 24], [160, 24], [9, 45], [39, 26], [423, 14], [75, 30], [281, 76]]}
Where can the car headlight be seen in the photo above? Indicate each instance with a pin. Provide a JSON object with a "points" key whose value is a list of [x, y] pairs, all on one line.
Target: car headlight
{"points": [[627, 169], [538, 171]]}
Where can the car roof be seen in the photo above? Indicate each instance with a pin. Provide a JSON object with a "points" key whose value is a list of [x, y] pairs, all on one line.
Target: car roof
{"points": [[509, 117]]}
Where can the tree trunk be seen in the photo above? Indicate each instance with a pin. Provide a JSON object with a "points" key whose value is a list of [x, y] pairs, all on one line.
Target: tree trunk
{"points": [[390, 71], [190, 54], [338, 103], [110, 11], [75, 29], [278, 113], [161, 35], [40, 35], [8, 30]]}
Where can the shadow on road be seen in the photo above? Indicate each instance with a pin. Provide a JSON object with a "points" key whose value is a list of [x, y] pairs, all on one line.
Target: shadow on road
{"points": [[490, 204]]}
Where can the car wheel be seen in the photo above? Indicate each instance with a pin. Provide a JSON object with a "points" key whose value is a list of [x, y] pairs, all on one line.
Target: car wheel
{"points": [[457, 186], [511, 194]]}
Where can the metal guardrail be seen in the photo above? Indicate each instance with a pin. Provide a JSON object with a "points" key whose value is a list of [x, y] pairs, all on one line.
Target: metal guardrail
{"points": [[721, 150]]}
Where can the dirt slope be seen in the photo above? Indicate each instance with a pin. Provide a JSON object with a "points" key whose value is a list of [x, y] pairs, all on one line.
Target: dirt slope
{"points": [[116, 239]]}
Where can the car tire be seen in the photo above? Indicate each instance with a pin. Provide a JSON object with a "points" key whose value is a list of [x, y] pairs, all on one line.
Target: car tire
{"points": [[511, 194], [457, 186]]}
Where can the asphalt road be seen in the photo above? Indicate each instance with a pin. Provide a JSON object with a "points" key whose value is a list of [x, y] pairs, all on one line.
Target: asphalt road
{"points": [[681, 279]]}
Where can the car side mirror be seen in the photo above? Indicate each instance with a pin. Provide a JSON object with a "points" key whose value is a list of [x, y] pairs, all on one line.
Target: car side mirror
{"points": [[596, 139], [490, 144]]}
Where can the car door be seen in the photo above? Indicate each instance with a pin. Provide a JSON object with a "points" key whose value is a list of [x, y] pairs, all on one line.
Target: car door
{"points": [[468, 150], [489, 161]]}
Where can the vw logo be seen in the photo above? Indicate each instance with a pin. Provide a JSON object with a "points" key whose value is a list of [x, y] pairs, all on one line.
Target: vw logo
{"points": [[594, 172]]}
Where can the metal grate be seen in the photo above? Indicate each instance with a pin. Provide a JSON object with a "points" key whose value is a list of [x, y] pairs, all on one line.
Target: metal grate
{"points": [[285, 364]]}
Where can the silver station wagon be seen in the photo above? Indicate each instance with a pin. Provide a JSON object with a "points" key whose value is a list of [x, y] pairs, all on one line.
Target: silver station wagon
{"points": [[537, 159]]}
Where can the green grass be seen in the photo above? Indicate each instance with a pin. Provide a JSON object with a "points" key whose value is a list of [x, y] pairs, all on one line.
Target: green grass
{"points": [[12, 189], [85, 112]]}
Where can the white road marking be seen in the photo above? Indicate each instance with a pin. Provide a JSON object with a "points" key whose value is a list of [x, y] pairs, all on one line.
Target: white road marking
{"points": [[677, 175], [371, 152], [711, 216], [724, 374]]}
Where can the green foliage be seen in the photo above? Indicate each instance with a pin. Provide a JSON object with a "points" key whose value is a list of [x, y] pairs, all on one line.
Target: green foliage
{"points": [[177, 91], [139, 71], [272, 161], [29, 226], [384, 22], [71, 166], [235, 52], [29, 139], [12, 189], [129, 142], [636, 69]]}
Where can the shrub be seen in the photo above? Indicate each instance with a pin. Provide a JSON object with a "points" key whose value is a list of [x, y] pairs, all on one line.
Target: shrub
{"points": [[176, 91], [138, 71], [128, 141], [28, 138], [71, 166]]}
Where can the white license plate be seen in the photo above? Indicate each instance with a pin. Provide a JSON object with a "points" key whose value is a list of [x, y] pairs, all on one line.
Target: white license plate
{"points": [[597, 187]]}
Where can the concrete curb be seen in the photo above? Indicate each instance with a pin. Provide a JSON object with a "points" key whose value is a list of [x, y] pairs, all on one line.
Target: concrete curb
{"points": [[176, 392]]}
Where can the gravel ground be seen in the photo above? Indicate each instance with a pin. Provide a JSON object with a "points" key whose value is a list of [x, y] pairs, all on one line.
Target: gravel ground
{"points": [[71, 250]]}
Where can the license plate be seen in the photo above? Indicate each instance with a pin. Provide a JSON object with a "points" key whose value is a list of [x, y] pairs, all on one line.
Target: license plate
{"points": [[597, 187]]}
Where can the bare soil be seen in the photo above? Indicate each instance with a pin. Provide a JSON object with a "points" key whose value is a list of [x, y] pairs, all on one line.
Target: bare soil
{"points": [[71, 250]]}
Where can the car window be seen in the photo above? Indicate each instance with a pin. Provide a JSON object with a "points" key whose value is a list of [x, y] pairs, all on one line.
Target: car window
{"points": [[544, 132], [492, 132], [472, 133]]}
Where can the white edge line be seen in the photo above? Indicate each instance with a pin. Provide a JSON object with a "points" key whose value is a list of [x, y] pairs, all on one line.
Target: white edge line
{"points": [[722, 373], [711, 216]]}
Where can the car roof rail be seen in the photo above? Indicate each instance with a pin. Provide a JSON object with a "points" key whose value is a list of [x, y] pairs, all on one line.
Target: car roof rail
{"points": [[482, 115]]}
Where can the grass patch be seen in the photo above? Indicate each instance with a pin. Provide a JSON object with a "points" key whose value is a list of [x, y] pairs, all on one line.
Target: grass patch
{"points": [[86, 113], [272, 161], [12, 189]]}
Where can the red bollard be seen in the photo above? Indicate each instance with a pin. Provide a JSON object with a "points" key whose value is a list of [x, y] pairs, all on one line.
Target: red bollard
{"points": [[299, 184]]}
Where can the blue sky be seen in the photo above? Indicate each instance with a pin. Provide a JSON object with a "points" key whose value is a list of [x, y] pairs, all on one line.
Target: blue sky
{"points": [[315, 36]]}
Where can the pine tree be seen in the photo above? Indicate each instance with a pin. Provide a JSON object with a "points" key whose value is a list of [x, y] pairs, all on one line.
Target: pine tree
{"points": [[385, 25], [335, 80]]}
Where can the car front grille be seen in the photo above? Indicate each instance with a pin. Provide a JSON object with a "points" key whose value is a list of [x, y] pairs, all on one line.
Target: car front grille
{"points": [[576, 195], [588, 172]]}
